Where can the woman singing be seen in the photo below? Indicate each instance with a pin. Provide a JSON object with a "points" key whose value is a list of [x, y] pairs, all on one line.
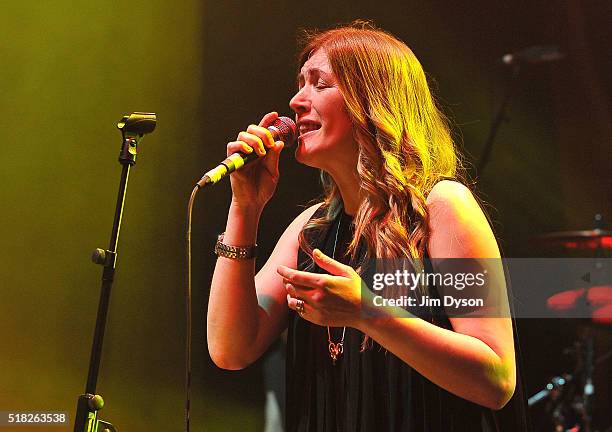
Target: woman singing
{"points": [[368, 122]]}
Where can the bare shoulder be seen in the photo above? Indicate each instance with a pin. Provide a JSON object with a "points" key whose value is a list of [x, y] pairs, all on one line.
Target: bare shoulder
{"points": [[286, 249], [457, 223], [290, 236], [452, 202], [450, 193], [305, 216]]}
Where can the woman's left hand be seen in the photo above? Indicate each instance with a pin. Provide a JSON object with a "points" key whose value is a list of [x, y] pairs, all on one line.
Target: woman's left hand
{"points": [[329, 299]]}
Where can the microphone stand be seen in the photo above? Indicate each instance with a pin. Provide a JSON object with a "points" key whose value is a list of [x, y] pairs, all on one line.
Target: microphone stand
{"points": [[499, 118], [133, 128]]}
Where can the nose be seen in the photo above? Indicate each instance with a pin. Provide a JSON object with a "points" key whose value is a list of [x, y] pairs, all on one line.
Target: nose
{"points": [[300, 103]]}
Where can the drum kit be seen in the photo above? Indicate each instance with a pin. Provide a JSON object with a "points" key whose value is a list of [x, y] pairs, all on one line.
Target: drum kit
{"points": [[567, 401]]}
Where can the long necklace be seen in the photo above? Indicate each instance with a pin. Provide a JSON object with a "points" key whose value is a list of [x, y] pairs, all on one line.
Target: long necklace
{"points": [[336, 348]]}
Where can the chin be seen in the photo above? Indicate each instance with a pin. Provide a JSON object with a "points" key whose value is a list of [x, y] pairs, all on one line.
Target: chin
{"points": [[303, 158], [310, 154], [315, 153]]}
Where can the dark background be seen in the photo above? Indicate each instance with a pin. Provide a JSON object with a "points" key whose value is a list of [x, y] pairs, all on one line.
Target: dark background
{"points": [[209, 69]]}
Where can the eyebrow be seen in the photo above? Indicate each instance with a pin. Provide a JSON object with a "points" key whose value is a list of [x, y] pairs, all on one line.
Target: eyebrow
{"points": [[311, 71]]}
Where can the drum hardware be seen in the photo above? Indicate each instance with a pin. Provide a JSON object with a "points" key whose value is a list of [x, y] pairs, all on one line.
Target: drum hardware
{"points": [[570, 396]]}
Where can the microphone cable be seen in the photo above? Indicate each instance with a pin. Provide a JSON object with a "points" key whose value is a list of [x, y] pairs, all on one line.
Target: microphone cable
{"points": [[188, 310]]}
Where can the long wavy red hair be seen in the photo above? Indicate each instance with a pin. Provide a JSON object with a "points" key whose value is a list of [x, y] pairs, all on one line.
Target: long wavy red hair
{"points": [[404, 140]]}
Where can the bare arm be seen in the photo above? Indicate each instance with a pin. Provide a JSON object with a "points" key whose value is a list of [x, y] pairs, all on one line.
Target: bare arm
{"points": [[246, 313], [476, 360]]}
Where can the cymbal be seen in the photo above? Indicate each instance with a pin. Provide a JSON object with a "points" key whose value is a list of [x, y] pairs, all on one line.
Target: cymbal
{"points": [[594, 302], [603, 315], [595, 296], [585, 239]]}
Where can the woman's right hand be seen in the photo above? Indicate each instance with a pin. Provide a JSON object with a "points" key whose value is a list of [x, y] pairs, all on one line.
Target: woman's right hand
{"points": [[254, 184]]}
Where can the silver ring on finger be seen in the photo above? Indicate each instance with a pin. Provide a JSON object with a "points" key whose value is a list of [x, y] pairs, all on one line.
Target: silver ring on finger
{"points": [[299, 307]]}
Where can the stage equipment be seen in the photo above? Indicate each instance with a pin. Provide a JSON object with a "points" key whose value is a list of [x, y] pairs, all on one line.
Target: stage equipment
{"points": [[586, 239], [570, 396], [133, 128], [532, 55]]}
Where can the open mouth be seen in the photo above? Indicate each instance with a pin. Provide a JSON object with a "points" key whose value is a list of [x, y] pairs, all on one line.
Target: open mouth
{"points": [[308, 128]]}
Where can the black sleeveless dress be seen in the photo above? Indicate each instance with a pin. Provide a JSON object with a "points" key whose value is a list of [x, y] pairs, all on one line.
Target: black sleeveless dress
{"points": [[371, 390]]}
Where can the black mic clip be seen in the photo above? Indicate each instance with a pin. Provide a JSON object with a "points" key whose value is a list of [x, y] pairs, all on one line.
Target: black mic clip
{"points": [[133, 127]]}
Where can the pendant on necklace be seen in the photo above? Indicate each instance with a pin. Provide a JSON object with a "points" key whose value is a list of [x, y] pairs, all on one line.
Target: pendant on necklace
{"points": [[335, 349]]}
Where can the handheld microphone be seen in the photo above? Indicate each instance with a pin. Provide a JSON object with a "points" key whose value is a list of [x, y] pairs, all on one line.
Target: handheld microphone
{"points": [[535, 54], [283, 129]]}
